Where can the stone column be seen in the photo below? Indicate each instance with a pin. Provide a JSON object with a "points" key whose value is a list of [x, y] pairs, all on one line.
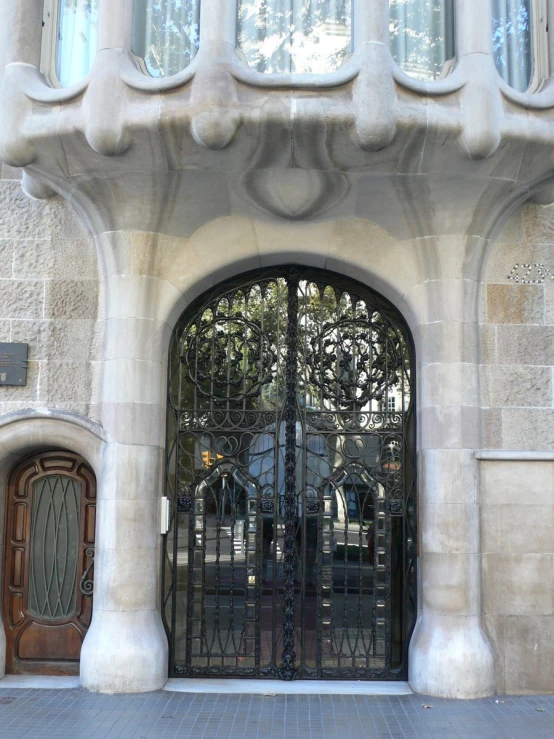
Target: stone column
{"points": [[115, 24], [126, 647], [218, 22], [449, 653], [370, 22], [25, 38]]}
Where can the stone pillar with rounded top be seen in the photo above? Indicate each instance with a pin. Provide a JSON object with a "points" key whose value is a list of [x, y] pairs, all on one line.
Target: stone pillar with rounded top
{"points": [[450, 655], [125, 650]]}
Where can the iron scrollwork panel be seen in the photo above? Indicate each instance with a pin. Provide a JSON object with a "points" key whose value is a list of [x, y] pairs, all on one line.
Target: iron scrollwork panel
{"points": [[290, 463]]}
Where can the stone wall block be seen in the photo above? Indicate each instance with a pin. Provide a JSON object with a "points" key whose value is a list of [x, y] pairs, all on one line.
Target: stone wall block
{"points": [[491, 428], [128, 524], [538, 223], [55, 258], [528, 645], [135, 423], [448, 476], [5, 330], [453, 383], [449, 586], [450, 427], [524, 528], [21, 298], [525, 345], [528, 429], [549, 303], [443, 300], [517, 385], [516, 583], [21, 393], [511, 483], [132, 472], [65, 382], [6, 258], [132, 381], [136, 338], [57, 339], [24, 218], [141, 296], [515, 304], [448, 528], [71, 299]]}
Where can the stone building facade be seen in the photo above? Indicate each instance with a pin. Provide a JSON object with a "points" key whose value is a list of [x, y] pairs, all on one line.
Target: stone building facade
{"points": [[125, 198]]}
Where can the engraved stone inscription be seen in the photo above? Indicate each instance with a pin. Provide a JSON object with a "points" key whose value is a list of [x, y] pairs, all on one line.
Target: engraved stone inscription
{"points": [[13, 364]]}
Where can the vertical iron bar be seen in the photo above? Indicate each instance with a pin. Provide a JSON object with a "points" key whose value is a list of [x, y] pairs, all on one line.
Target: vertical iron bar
{"points": [[287, 670]]}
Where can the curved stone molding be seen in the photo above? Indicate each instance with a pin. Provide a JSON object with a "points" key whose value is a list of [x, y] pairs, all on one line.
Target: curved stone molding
{"points": [[295, 193], [25, 431]]}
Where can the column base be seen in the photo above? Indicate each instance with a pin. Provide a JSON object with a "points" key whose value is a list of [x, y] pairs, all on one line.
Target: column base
{"points": [[450, 657], [124, 652]]}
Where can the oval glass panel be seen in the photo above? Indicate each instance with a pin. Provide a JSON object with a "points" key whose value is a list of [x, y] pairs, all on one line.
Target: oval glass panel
{"points": [[166, 34], [512, 41], [300, 36], [54, 547], [77, 39], [422, 38]]}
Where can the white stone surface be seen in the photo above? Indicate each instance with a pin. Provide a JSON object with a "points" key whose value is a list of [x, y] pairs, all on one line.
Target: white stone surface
{"points": [[280, 687]]}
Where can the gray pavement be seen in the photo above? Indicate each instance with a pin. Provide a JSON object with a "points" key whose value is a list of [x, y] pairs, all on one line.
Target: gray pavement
{"points": [[68, 714]]}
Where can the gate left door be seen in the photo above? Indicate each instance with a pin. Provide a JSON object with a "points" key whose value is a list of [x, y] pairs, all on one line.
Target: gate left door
{"points": [[48, 566]]}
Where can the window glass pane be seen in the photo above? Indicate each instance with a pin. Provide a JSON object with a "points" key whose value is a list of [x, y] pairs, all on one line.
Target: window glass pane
{"points": [[77, 39], [512, 42], [166, 34], [302, 36], [422, 36]]}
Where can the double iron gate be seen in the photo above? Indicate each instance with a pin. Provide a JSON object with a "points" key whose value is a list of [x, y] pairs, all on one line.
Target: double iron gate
{"points": [[290, 467]]}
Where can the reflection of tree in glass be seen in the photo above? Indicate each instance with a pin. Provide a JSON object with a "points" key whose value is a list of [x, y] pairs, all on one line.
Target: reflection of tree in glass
{"points": [[166, 34], [511, 40], [299, 36], [422, 36]]}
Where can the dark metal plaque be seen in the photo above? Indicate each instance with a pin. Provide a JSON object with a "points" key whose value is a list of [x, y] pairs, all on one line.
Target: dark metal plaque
{"points": [[13, 364]]}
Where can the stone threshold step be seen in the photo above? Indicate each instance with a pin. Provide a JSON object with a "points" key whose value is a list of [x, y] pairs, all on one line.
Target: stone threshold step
{"points": [[281, 687], [52, 682]]}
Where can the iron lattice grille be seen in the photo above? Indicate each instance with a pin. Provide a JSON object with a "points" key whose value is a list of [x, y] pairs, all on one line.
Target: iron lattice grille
{"points": [[290, 465]]}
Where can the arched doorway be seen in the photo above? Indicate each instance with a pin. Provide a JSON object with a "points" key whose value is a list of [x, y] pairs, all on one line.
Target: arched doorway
{"points": [[49, 556], [291, 471]]}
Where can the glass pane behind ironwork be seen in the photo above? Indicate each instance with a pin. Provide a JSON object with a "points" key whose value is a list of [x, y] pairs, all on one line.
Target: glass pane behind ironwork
{"points": [[301, 36], [292, 482], [512, 41], [77, 39], [166, 34], [422, 36], [54, 547]]}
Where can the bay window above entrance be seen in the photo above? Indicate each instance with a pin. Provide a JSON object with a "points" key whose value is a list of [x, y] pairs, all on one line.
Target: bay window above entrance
{"points": [[294, 36]]}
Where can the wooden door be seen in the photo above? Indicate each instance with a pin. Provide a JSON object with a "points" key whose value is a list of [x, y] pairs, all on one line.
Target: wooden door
{"points": [[48, 569]]}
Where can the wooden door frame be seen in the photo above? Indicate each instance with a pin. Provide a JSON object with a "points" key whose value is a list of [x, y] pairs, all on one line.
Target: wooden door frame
{"points": [[21, 479]]}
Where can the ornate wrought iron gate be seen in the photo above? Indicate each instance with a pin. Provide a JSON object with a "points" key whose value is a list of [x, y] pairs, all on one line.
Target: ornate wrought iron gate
{"points": [[290, 466]]}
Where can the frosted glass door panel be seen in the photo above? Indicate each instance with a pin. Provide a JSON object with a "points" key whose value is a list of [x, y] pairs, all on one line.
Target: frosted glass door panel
{"points": [[54, 547], [166, 34], [301, 36]]}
